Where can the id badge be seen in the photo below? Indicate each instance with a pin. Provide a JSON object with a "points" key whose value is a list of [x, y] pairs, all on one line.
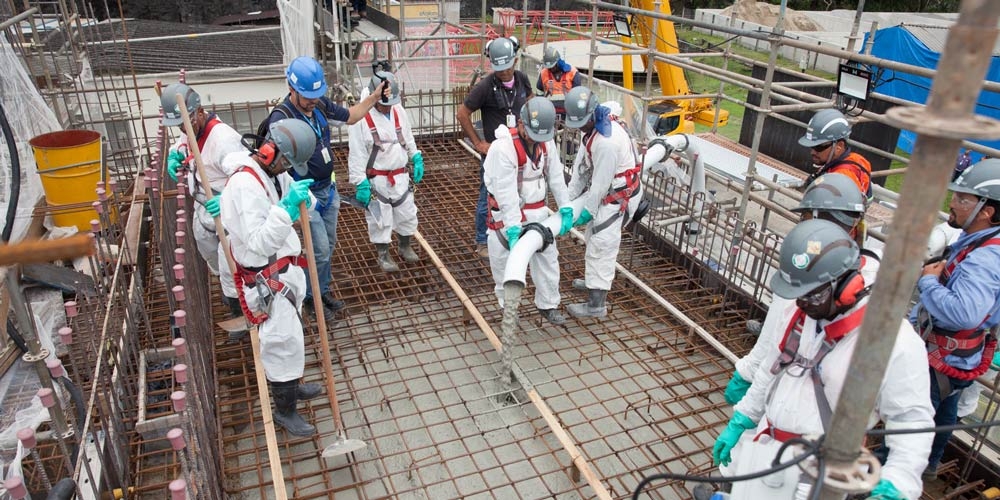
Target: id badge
{"points": [[326, 155], [511, 121]]}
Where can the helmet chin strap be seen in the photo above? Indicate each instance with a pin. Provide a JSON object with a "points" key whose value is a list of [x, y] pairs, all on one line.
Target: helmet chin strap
{"points": [[973, 214]]}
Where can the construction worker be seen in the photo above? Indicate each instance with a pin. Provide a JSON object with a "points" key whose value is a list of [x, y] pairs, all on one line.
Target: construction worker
{"points": [[832, 197], [307, 101], [521, 161], [215, 140], [607, 173], [826, 137], [960, 297], [819, 269], [381, 145], [498, 97], [556, 78], [258, 207]]}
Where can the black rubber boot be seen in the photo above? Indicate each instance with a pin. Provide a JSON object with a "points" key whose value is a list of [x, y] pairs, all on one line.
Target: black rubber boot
{"points": [[331, 302], [235, 311], [308, 391], [406, 251], [285, 413], [553, 315], [594, 307], [384, 259]]}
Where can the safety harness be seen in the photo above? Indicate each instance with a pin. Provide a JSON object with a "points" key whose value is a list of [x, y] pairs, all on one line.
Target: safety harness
{"points": [[850, 161], [962, 343], [622, 195], [264, 278], [833, 333], [370, 169], [540, 158], [556, 87]]}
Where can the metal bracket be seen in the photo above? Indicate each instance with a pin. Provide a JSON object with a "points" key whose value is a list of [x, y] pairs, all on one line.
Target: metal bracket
{"points": [[34, 358], [921, 121], [851, 478]]}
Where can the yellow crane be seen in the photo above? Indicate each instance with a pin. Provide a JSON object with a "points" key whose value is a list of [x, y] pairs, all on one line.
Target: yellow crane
{"points": [[669, 116]]}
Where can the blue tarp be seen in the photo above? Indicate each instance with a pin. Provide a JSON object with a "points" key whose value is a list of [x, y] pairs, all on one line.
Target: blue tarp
{"points": [[898, 44]]}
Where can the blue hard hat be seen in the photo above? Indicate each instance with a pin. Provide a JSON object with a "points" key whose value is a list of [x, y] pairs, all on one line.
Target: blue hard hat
{"points": [[305, 76]]}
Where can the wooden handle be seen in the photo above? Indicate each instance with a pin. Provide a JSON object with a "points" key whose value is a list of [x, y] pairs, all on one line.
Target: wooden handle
{"points": [[40, 251]]}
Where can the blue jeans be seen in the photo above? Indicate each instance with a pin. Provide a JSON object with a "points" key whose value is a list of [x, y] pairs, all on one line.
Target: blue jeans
{"points": [[323, 228], [481, 210], [946, 413]]}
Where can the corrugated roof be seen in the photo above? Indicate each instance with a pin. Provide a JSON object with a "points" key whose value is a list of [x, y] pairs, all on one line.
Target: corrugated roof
{"points": [[194, 53], [934, 36]]}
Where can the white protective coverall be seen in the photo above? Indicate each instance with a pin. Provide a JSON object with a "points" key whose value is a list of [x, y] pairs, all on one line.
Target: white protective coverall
{"points": [[612, 156], [392, 155], [771, 331], [501, 176], [789, 404], [220, 141], [260, 230]]}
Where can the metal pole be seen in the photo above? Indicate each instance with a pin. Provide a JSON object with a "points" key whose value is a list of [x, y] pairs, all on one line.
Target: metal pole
{"points": [[725, 67], [941, 126], [854, 27]]}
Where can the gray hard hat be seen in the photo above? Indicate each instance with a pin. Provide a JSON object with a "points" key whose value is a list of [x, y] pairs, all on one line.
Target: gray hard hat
{"points": [[377, 79], [981, 179], [826, 125], [814, 253], [836, 194], [502, 53], [296, 142], [550, 57], [580, 105], [539, 119], [168, 100]]}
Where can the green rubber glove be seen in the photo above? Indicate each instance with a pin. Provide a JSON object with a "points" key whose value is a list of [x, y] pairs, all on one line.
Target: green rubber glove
{"points": [[584, 218], [212, 206], [729, 437], [174, 161], [418, 167], [567, 220], [736, 388], [513, 234], [995, 364], [363, 192], [297, 193], [885, 490]]}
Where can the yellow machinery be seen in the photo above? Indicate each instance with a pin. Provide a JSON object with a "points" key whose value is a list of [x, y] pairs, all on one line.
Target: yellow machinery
{"points": [[670, 116]]}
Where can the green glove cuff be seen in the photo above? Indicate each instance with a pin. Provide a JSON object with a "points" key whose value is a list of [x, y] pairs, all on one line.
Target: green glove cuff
{"points": [[742, 421], [584, 218], [885, 490], [736, 388], [292, 209]]}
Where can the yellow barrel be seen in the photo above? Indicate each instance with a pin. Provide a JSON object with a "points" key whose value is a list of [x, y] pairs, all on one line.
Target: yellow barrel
{"points": [[69, 164]]}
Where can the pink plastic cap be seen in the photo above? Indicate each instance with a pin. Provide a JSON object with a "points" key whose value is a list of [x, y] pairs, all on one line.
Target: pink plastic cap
{"points": [[182, 188], [178, 272], [15, 488], [178, 293], [66, 335], [181, 373], [179, 399], [55, 368], [70, 306], [181, 212], [112, 185], [95, 225], [27, 437], [47, 396], [102, 194], [98, 207], [179, 237], [180, 318], [179, 255], [180, 347], [176, 437], [178, 489]]}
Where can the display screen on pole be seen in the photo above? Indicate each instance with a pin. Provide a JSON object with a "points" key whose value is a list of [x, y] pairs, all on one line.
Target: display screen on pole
{"points": [[854, 82]]}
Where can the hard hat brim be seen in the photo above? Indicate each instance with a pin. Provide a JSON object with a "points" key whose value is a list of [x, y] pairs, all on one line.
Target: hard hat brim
{"points": [[782, 288], [301, 169], [172, 122], [502, 67], [803, 141], [576, 123], [313, 94], [551, 64], [540, 137]]}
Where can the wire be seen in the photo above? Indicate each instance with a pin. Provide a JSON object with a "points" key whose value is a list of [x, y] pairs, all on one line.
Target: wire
{"points": [[926, 430]]}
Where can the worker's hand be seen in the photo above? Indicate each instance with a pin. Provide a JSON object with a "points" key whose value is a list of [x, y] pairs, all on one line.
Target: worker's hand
{"points": [[384, 91], [212, 206], [567, 220], [584, 218], [483, 147], [933, 269], [174, 161], [729, 437], [885, 490], [418, 167], [513, 234], [363, 192], [736, 388], [297, 193]]}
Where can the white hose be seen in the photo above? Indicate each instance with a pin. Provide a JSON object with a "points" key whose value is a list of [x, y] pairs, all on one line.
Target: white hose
{"points": [[531, 242]]}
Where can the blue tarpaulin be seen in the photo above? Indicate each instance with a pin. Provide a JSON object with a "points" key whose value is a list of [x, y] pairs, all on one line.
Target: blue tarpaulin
{"points": [[898, 44]]}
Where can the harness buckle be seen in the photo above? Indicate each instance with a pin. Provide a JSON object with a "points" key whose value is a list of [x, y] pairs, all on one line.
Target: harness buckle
{"points": [[951, 345]]}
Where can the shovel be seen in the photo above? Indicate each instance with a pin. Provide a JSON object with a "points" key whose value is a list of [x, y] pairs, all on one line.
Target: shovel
{"points": [[372, 208], [342, 445]]}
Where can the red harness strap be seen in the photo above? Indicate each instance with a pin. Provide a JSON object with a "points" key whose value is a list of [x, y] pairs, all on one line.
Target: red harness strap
{"points": [[632, 177], [541, 155], [371, 171], [778, 434]]}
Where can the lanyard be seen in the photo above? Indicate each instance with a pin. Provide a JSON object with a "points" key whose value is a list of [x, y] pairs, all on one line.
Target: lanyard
{"points": [[313, 121]]}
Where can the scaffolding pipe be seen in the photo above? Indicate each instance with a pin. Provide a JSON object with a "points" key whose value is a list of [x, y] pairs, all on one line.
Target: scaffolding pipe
{"points": [[941, 126], [18, 18]]}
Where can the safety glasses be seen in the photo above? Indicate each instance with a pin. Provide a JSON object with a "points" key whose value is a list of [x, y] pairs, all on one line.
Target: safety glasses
{"points": [[816, 297], [822, 147]]}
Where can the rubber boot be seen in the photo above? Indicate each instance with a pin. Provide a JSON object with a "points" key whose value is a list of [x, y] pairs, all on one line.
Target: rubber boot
{"points": [[285, 413], [308, 391], [406, 250], [580, 284], [331, 302], [384, 260], [553, 315], [595, 306], [235, 311]]}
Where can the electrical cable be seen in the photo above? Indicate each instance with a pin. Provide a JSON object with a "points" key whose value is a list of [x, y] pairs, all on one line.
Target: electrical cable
{"points": [[15, 177]]}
